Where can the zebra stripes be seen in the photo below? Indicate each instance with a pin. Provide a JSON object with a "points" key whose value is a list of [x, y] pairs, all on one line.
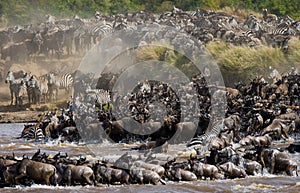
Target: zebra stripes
{"points": [[275, 30], [55, 83], [15, 81], [31, 132], [204, 139], [249, 34], [102, 29], [66, 81], [22, 91]]}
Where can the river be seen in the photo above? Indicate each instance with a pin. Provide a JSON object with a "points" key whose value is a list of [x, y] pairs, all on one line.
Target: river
{"points": [[9, 144]]}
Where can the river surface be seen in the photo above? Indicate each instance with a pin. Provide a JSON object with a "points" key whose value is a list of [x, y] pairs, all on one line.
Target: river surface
{"points": [[9, 144]]}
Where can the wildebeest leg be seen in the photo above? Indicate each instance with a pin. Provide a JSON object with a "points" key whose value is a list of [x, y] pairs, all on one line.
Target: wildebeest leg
{"points": [[272, 165], [47, 181], [284, 133], [11, 97], [20, 176], [88, 179], [19, 100]]}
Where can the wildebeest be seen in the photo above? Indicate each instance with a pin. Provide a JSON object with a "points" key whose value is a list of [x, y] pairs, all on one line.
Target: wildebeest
{"points": [[278, 161], [156, 168], [280, 128], [294, 147], [76, 174], [110, 175], [252, 167], [14, 51], [264, 140], [184, 132], [204, 170], [232, 171], [142, 176], [246, 141], [179, 174], [41, 172]]}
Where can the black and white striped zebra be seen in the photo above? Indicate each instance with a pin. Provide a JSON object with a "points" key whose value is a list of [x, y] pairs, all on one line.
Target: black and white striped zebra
{"points": [[104, 28], [15, 80], [65, 81], [31, 132], [33, 90], [99, 30], [43, 88], [22, 92], [204, 139], [249, 34], [275, 30]]}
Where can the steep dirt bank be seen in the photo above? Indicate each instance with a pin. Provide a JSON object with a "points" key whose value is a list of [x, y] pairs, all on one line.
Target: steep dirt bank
{"points": [[19, 116]]}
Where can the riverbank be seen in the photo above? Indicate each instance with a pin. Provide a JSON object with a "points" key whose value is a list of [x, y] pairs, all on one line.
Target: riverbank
{"points": [[19, 116], [25, 113]]}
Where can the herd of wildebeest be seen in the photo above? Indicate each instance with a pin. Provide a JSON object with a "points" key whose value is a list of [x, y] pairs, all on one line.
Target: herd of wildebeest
{"points": [[71, 36], [257, 115]]}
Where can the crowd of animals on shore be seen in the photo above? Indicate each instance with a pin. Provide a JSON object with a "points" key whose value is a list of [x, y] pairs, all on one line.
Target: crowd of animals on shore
{"points": [[58, 37], [36, 89], [71, 36]]}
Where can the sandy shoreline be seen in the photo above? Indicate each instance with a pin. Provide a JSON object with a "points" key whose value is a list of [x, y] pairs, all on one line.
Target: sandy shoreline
{"points": [[19, 117]]}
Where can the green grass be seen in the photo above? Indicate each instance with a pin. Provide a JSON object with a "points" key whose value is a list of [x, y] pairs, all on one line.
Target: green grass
{"points": [[237, 63]]}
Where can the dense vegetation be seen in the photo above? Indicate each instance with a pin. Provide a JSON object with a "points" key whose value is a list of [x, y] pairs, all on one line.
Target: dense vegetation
{"points": [[29, 11]]}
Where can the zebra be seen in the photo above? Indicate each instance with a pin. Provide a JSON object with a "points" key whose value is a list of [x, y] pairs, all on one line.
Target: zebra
{"points": [[22, 91], [33, 90], [204, 139], [97, 31], [99, 96], [66, 81], [43, 87], [249, 33], [32, 132], [15, 79], [54, 83], [274, 30]]}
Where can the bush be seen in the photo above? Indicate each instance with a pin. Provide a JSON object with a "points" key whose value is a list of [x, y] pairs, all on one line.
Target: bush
{"points": [[239, 63]]}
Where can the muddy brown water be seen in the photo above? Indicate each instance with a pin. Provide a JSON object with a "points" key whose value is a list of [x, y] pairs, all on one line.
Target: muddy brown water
{"points": [[9, 143]]}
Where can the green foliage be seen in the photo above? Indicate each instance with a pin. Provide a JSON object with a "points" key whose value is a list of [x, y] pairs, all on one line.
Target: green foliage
{"points": [[27, 11]]}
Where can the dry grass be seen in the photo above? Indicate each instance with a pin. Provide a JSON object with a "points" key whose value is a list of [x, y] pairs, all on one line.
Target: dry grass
{"points": [[237, 63], [241, 14], [151, 53], [243, 63], [294, 52]]}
